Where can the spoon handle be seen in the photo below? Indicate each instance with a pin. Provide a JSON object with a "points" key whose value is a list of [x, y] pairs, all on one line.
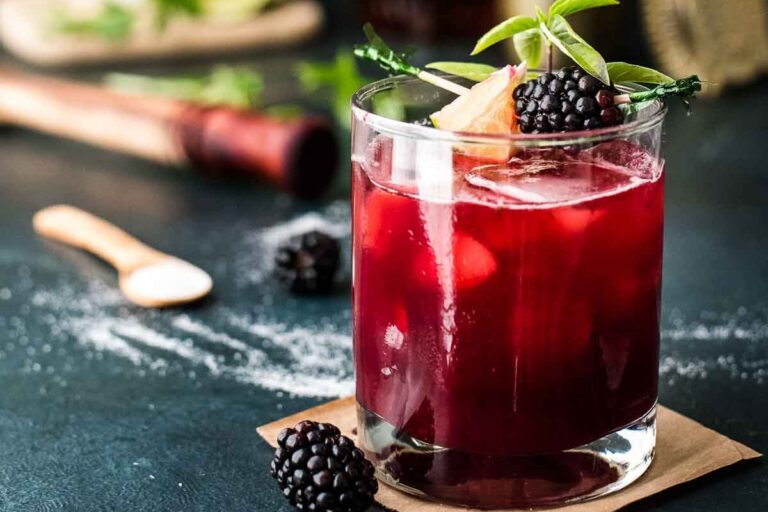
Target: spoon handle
{"points": [[78, 228]]}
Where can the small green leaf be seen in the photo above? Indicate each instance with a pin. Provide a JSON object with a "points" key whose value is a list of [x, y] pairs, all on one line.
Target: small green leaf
{"points": [[567, 7], [502, 31], [528, 46], [469, 70], [562, 35], [541, 16], [624, 72]]}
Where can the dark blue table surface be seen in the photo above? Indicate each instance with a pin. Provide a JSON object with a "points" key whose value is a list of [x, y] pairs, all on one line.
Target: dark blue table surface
{"points": [[105, 406]]}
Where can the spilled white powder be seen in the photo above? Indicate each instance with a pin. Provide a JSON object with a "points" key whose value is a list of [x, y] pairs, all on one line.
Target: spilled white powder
{"points": [[101, 336], [310, 221], [307, 358], [150, 338], [187, 324], [315, 354], [299, 360], [730, 343]]}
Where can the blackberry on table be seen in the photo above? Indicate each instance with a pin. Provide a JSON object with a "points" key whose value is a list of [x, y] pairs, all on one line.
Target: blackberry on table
{"points": [[565, 101], [320, 470], [308, 263]]}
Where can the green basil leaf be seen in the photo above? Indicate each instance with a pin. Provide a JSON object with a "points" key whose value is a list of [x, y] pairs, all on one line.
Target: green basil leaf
{"points": [[470, 70], [528, 46], [624, 72], [562, 35], [502, 31], [541, 16], [567, 7]]}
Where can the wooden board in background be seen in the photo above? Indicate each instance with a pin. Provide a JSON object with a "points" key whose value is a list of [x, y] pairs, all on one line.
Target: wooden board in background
{"points": [[26, 33]]}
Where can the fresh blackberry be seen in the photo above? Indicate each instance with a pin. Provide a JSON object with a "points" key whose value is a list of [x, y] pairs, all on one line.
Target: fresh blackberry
{"points": [[566, 101], [320, 470], [308, 263]]}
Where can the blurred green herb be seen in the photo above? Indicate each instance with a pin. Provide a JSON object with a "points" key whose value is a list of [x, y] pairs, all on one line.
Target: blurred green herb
{"points": [[167, 9], [113, 23], [224, 85], [235, 9], [336, 81], [284, 110], [389, 104]]}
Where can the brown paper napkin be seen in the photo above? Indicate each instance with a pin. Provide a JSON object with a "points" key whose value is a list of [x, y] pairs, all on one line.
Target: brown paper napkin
{"points": [[685, 450]]}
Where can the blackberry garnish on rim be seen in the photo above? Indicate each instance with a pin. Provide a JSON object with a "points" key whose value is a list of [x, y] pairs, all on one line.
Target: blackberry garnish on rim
{"points": [[569, 100]]}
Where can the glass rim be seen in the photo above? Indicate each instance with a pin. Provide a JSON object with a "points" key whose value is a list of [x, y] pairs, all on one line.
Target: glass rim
{"points": [[408, 129]]}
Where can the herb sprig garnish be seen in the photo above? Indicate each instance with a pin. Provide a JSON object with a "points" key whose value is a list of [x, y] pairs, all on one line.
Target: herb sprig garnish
{"points": [[395, 63], [529, 34], [618, 72], [551, 29]]}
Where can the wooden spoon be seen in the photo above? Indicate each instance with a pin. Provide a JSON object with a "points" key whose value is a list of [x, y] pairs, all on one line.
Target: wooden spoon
{"points": [[147, 277]]}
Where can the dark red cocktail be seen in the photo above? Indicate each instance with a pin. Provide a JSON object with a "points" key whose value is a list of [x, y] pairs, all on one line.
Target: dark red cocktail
{"points": [[506, 313]]}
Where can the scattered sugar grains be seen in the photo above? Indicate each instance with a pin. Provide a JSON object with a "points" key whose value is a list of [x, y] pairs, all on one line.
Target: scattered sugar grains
{"points": [[309, 358], [299, 360], [735, 344]]}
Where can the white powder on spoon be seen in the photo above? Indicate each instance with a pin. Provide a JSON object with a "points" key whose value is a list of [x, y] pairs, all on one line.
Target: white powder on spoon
{"points": [[168, 281]]}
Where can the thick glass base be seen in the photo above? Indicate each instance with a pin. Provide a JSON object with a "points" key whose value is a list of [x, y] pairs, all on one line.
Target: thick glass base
{"points": [[496, 481]]}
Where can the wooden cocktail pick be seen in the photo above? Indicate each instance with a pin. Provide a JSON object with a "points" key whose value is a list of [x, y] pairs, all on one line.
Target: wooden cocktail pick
{"points": [[147, 277]]}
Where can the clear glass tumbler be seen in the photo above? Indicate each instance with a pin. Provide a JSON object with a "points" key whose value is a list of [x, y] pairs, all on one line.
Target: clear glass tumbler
{"points": [[506, 303]]}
